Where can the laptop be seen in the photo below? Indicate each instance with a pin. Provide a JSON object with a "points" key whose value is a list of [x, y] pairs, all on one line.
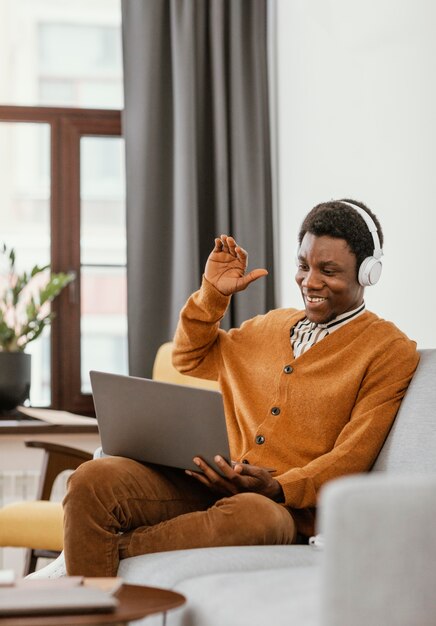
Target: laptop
{"points": [[156, 422]]}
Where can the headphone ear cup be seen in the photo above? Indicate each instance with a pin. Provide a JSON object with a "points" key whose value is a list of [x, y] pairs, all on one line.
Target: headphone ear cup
{"points": [[369, 271]]}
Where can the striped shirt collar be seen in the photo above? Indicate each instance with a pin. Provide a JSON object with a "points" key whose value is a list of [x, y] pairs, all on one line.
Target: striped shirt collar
{"points": [[306, 334], [340, 320]]}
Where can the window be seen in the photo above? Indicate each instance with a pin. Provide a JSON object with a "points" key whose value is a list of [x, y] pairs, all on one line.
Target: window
{"points": [[62, 189], [25, 196], [103, 257]]}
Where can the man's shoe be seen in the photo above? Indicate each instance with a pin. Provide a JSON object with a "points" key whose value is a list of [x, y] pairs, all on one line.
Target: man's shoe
{"points": [[55, 569]]}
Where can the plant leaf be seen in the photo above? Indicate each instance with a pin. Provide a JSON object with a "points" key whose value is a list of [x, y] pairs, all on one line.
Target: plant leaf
{"points": [[37, 269], [22, 319]]}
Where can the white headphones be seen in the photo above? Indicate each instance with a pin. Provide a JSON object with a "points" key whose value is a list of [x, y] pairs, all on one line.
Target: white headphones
{"points": [[371, 267]]}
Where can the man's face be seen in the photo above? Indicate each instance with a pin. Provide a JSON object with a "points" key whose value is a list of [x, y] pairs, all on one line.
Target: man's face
{"points": [[327, 279]]}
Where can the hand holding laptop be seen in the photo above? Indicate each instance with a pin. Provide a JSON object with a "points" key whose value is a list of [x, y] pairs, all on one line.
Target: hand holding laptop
{"points": [[237, 478]]}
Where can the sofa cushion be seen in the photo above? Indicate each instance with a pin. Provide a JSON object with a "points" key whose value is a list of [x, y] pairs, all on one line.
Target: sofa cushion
{"points": [[411, 443], [167, 569], [43, 532], [280, 597], [283, 596]]}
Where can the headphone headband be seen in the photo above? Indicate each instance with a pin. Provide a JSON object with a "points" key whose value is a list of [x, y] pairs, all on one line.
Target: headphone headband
{"points": [[378, 252]]}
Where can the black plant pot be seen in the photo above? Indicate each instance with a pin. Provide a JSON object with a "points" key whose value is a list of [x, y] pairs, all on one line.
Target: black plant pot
{"points": [[14, 379]]}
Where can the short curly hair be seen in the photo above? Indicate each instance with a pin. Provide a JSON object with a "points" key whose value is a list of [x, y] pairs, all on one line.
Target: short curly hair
{"points": [[339, 220]]}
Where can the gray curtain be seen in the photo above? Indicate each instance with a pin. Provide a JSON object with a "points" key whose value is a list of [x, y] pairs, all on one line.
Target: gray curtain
{"points": [[196, 125]]}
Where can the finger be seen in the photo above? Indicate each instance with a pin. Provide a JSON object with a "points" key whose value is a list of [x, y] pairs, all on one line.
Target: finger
{"points": [[234, 478], [218, 245], [224, 467], [201, 478], [260, 474], [210, 473], [271, 470], [213, 478], [241, 253], [244, 281], [232, 246], [225, 246], [246, 470]]}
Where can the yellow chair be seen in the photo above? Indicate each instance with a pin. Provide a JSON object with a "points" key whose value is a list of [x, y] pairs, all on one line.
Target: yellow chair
{"points": [[164, 371], [38, 525]]}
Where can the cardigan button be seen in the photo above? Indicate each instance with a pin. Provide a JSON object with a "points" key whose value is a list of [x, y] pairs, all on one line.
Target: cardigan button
{"points": [[275, 410], [288, 369], [260, 439]]}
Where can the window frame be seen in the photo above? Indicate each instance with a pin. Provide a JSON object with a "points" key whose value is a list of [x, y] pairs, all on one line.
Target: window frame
{"points": [[67, 127]]}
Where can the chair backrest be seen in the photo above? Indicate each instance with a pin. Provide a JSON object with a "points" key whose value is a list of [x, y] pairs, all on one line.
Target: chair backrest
{"points": [[164, 371], [411, 444]]}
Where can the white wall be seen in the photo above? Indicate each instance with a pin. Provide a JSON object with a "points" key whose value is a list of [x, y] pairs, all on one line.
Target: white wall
{"points": [[357, 118]]}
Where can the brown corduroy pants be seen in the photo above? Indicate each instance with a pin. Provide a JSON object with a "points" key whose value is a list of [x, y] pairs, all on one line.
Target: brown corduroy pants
{"points": [[116, 508]]}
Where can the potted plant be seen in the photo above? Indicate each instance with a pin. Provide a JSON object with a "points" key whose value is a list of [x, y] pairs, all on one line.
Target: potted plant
{"points": [[24, 313]]}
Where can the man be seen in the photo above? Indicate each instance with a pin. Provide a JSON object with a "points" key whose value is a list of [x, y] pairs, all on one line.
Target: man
{"points": [[309, 395]]}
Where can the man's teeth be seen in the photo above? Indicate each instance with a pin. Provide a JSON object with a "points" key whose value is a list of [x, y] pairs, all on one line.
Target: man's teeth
{"points": [[313, 299]]}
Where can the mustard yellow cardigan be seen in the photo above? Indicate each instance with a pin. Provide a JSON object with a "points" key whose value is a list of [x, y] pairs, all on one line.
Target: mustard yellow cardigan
{"points": [[314, 418]]}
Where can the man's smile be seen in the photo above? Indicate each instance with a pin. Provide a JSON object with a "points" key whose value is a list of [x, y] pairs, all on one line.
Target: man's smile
{"points": [[314, 299]]}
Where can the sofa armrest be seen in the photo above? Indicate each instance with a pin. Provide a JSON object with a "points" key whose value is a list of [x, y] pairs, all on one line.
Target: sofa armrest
{"points": [[379, 563]]}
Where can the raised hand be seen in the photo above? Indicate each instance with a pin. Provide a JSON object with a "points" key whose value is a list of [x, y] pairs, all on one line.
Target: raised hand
{"points": [[227, 265]]}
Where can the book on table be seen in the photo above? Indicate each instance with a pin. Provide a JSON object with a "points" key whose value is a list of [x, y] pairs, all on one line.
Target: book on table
{"points": [[58, 596]]}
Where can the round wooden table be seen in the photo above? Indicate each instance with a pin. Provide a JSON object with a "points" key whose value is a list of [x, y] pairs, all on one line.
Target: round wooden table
{"points": [[135, 602]]}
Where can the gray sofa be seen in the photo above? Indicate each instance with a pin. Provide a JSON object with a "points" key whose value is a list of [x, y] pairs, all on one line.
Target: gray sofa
{"points": [[378, 566]]}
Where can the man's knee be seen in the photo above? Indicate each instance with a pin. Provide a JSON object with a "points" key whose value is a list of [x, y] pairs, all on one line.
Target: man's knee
{"points": [[96, 475], [252, 506], [89, 472], [265, 520]]}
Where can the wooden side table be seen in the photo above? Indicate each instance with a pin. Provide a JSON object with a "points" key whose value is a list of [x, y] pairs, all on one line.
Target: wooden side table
{"points": [[136, 602]]}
